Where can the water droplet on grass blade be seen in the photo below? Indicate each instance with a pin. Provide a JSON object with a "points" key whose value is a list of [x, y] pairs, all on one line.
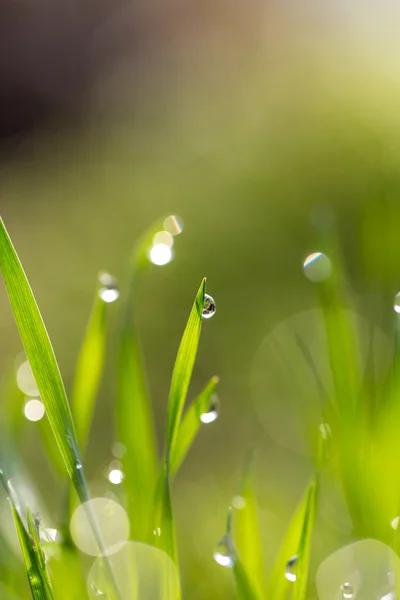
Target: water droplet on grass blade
{"points": [[108, 291], [317, 267], [291, 566], [96, 591], [209, 307], [347, 591], [212, 412], [224, 553]]}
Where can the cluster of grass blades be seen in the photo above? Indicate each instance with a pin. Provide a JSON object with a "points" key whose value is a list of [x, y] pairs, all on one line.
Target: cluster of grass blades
{"points": [[355, 428]]}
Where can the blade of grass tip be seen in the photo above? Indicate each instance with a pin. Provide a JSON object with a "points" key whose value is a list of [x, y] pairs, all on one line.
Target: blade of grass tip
{"points": [[182, 373], [42, 360], [135, 425], [40, 354], [89, 370], [247, 528], [290, 569], [191, 423], [34, 560], [183, 369]]}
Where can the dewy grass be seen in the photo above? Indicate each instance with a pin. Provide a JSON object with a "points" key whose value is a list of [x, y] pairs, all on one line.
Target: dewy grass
{"points": [[358, 440]]}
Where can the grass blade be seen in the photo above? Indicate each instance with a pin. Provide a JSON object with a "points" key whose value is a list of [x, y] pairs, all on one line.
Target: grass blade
{"points": [[244, 587], [40, 354], [183, 370], [135, 426], [33, 557], [190, 425], [247, 530], [182, 373], [89, 370], [296, 541]]}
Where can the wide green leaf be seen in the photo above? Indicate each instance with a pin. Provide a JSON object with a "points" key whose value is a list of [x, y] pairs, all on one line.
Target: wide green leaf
{"points": [[41, 356], [191, 423]]}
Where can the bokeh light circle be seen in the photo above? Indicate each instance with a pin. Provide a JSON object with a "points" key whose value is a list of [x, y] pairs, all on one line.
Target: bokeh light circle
{"points": [[113, 524], [140, 571]]}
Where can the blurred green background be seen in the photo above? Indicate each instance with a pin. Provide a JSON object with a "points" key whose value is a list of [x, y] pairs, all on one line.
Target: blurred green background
{"points": [[262, 125]]}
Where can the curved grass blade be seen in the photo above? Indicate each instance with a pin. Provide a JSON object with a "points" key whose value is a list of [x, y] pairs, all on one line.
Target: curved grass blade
{"points": [[182, 373], [247, 529], [190, 425], [89, 370], [33, 557], [135, 426], [295, 547], [40, 354], [183, 369], [244, 587]]}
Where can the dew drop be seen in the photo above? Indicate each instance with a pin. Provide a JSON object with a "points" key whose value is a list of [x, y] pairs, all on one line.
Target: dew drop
{"points": [[78, 466], [317, 267], [212, 412], [97, 591], [26, 380], [396, 302], [347, 591], [108, 290], [224, 553], [290, 571], [209, 307]]}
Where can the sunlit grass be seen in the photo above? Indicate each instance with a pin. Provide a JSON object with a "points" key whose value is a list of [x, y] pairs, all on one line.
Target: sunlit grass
{"points": [[132, 537]]}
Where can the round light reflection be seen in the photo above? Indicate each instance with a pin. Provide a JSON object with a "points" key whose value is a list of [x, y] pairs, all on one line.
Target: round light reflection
{"points": [[26, 381], [112, 520], [34, 409], [160, 254]]}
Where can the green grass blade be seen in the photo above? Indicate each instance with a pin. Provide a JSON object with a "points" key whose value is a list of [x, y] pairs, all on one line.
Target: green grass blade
{"points": [[40, 353], [34, 560], [135, 426], [164, 529], [89, 370], [190, 425], [183, 370], [247, 529], [184, 363], [244, 586], [296, 541]]}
